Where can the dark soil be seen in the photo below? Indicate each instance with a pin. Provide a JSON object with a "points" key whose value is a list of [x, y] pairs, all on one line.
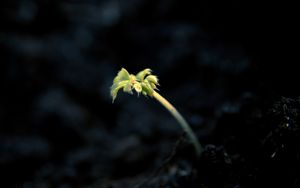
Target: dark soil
{"points": [[229, 68]]}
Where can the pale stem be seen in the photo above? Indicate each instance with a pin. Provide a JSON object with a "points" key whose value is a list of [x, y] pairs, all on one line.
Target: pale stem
{"points": [[183, 123]]}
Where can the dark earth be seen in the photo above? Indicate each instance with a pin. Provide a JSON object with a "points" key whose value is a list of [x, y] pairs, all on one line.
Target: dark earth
{"points": [[229, 68]]}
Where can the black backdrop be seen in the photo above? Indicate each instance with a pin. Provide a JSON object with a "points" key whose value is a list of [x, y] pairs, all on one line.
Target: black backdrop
{"points": [[58, 127]]}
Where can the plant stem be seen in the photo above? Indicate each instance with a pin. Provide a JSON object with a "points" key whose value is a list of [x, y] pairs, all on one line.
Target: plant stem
{"points": [[183, 123]]}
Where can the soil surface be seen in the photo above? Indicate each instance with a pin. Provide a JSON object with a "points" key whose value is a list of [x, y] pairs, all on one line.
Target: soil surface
{"points": [[229, 68]]}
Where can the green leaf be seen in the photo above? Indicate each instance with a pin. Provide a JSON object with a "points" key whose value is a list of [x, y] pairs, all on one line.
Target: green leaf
{"points": [[144, 93], [152, 79], [141, 75], [138, 87], [147, 88], [119, 82], [128, 88], [122, 76], [143, 82]]}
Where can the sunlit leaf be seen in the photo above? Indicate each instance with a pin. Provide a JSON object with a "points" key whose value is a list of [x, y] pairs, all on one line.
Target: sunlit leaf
{"points": [[116, 87], [143, 82], [138, 88], [121, 76], [128, 88], [147, 88], [152, 79], [141, 75]]}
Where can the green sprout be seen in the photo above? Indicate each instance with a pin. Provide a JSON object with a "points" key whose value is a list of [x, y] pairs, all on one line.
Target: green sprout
{"points": [[146, 83]]}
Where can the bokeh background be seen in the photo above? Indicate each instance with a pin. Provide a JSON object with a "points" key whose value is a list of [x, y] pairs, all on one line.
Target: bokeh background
{"points": [[58, 126]]}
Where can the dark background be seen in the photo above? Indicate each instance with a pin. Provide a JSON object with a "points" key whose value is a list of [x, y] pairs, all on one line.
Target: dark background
{"points": [[58, 127]]}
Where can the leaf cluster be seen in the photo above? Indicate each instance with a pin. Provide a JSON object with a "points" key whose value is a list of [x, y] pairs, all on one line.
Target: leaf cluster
{"points": [[143, 82]]}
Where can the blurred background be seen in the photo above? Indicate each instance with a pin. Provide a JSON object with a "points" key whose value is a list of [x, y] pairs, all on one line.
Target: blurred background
{"points": [[58, 126]]}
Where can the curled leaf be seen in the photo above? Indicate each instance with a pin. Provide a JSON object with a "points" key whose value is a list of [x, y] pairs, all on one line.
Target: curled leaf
{"points": [[152, 79], [142, 74]]}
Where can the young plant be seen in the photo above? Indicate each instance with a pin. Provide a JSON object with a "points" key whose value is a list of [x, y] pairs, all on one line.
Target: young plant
{"points": [[145, 83]]}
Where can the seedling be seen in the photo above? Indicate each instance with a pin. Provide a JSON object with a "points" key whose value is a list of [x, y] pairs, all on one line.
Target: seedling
{"points": [[145, 83]]}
